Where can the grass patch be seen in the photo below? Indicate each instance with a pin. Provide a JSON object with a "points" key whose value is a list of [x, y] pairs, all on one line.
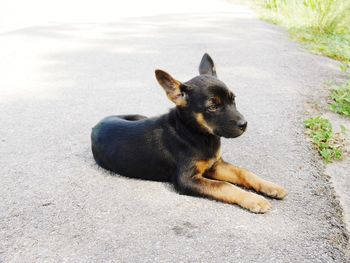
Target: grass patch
{"points": [[331, 45], [322, 25], [341, 97], [326, 142]]}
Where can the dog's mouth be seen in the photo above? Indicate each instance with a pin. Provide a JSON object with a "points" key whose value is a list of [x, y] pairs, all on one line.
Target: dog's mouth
{"points": [[232, 133]]}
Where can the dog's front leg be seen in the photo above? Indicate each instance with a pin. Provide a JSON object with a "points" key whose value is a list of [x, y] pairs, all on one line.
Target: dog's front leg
{"points": [[224, 171], [191, 181]]}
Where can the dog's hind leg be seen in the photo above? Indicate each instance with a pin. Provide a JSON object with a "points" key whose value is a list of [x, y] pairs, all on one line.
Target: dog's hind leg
{"points": [[224, 171], [192, 182]]}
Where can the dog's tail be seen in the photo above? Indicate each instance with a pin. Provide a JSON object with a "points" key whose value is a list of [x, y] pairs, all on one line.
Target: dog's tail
{"points": [[134, 117], [94, 144]]}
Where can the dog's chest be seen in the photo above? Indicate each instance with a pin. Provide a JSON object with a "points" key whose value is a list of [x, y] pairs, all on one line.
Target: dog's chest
{"points": [[206, 164]]}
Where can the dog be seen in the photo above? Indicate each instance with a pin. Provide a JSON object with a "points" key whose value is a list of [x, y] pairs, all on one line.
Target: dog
{"points": [[183, 146]]}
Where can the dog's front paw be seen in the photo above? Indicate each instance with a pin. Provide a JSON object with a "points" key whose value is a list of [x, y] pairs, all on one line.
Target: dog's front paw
{"points": [[273, 190], [255, 203]]}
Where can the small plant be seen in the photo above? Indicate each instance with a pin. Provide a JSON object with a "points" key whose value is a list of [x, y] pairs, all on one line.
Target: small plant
{"points": [[341, 97], [344, 67], [272, 4], [321, 133]]}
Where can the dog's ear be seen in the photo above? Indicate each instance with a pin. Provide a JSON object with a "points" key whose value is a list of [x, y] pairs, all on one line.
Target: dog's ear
{"points": [[207, 66], [172, 87]]}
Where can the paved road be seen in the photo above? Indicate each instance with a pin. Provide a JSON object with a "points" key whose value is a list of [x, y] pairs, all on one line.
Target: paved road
{"points": [[58, 81]]}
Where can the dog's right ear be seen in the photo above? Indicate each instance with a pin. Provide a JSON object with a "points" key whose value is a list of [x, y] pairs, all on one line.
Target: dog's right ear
{"points": [[207, 66], [172, 87]]}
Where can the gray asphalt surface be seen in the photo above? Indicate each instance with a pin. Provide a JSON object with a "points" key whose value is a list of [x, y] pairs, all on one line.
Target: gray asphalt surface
{"points": [[59, 81]]}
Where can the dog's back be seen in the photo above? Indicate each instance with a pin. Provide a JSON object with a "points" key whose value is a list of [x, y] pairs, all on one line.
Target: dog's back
{"points": [[129, 145]]}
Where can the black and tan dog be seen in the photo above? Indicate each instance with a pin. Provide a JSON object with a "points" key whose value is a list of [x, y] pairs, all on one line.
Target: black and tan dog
{"points": [[183, 146]]}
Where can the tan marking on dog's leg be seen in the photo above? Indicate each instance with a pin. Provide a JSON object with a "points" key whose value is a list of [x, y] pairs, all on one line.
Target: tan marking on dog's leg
{"points": [[225, 192], [228, 193], [226, 172], [202, 166], [201, 121]]}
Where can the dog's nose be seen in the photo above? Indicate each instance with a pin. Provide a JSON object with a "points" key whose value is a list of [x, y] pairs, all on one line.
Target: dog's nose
{"points": [[242, 125]]}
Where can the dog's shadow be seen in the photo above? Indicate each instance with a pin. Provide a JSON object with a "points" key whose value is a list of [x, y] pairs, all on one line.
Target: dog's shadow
{"points": [[89, 161]]}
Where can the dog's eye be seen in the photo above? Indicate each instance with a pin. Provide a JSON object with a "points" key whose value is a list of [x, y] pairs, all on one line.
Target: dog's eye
{"points": [[212, 107]]}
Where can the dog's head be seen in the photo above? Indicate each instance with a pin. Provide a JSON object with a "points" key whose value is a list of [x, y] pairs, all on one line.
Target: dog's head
{"points": [[205, 101]]}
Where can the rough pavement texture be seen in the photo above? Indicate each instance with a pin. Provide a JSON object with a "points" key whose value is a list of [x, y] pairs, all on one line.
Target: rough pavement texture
{"points": [[339, 176], [57, 205]]}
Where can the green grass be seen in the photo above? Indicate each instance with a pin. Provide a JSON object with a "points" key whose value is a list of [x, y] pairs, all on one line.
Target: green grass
{"points": [[326, 142], [330, 45], [323, 26], [341, 98]]}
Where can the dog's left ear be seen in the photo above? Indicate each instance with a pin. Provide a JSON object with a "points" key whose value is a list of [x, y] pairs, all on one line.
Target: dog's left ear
{"points": [[172, 87], [207, 66]]}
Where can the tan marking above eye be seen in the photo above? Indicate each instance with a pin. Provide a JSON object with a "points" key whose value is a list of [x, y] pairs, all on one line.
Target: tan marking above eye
{"points": [[213, 104], [214, 100]]}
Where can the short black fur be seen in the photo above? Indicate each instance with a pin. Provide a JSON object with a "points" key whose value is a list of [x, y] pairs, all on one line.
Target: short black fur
{"points": [[168, 147]]}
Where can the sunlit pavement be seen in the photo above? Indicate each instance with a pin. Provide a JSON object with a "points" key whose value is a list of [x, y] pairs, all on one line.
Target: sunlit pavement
{"points": [[66, 65], [15, 14]]}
